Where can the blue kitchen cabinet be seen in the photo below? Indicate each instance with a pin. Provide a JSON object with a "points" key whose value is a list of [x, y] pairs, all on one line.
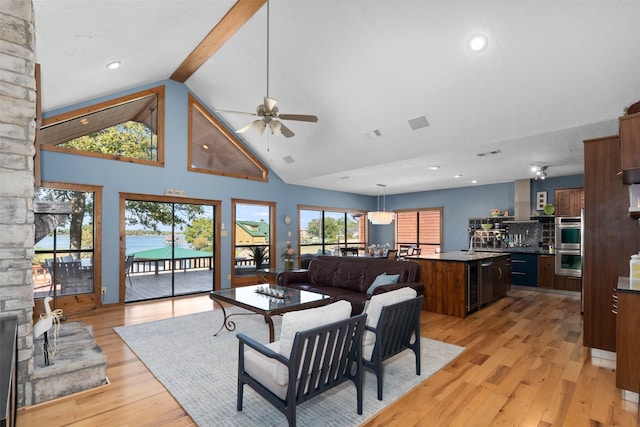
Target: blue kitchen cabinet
{"points": [[524, 269]]}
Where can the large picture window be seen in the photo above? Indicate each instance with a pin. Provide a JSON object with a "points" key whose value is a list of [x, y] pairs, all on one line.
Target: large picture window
{"points": [[327, 231], [420, 228]]}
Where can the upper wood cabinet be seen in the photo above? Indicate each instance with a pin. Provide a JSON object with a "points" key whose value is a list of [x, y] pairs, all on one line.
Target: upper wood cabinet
{"points": [[569, 201], [630, 148]]}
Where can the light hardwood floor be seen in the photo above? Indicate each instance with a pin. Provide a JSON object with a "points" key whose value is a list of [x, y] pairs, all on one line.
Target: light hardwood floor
{"points": [[524, 365]]}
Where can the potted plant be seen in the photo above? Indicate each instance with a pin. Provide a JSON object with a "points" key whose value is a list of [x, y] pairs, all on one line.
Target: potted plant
{"points": [[258, 253], [288, 254]]}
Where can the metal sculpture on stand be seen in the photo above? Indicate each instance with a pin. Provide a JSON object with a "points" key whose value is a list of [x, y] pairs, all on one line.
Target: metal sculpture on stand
{"points": [[48, 319]]}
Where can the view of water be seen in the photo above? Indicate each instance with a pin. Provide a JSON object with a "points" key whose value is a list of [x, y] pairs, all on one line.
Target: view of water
{"points": [[133, 243]]}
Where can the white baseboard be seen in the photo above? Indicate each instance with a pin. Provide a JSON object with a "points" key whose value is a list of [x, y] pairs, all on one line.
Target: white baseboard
{"points": [[603, 358], [630, 396]]}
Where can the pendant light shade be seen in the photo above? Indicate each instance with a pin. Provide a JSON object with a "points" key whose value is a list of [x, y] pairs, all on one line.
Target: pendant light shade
{"points": [[381, 217]]}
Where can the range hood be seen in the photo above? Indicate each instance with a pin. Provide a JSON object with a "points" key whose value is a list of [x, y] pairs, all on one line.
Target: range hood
{"points": [[522, 201]]}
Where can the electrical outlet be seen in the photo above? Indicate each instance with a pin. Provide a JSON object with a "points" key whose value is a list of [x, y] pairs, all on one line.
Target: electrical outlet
{"points": [[104, 291]]}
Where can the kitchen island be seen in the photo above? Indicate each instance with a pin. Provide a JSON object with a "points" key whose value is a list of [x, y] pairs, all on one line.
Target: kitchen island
{"points": [[458, 283]]}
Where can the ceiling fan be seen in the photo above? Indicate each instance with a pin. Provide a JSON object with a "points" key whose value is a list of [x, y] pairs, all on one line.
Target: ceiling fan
{"points": [[269, 116], [267, 112]]}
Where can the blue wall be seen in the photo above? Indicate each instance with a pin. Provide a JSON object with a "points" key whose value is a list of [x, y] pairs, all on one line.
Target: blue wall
{"points": [[116, 177], [460, 204]]}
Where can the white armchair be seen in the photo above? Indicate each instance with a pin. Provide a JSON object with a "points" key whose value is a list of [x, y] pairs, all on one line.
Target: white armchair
{"points": [[335, 357], [392, 326]]}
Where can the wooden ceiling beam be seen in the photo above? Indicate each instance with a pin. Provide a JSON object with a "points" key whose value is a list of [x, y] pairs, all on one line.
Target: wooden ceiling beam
{"points": [[235, 18]]}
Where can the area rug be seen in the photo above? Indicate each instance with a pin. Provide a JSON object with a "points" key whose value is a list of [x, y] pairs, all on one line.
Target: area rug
{"points": [[200, 371]]}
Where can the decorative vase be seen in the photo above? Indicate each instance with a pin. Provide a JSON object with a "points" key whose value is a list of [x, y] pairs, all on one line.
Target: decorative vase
{"points": [[288, 264], [372, 252], [380, 252]]}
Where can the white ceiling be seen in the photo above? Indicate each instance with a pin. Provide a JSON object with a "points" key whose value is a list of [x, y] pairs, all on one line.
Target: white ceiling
{"points": [[554, 73]]}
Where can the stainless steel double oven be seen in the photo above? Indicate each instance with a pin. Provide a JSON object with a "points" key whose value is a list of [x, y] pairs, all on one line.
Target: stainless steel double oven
{"points": [[568, 233]]}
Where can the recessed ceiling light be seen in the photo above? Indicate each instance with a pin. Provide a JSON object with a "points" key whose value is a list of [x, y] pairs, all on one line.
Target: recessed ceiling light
{"points": [[434, 167], [458, 175], [475, 181], [478, 42], [114, 65]]}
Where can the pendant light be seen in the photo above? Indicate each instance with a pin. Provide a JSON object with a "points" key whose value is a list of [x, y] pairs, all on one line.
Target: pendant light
{"points": [[381, 217]]}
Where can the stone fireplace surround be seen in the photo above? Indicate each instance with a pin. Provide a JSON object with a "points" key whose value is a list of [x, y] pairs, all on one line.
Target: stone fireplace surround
{"points": [[17, 182]]}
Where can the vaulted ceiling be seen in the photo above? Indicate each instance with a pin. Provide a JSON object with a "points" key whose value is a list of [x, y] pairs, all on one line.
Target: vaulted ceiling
{"points": [[554, 73]]}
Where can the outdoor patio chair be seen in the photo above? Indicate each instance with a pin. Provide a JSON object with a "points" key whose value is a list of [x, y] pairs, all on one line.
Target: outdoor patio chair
{"points": [[306, 363], [71, 278], [128, 264], [393, 325]]}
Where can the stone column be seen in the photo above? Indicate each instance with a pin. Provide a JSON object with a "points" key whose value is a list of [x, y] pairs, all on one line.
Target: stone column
{"points": [[17, 132]]}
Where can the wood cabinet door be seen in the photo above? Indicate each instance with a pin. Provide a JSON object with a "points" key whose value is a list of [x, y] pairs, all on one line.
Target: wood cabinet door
{"points": [[610, 237], [630, 148], [546, 271], [501, 277], [628, 342], [568, 283], [569, 201]]}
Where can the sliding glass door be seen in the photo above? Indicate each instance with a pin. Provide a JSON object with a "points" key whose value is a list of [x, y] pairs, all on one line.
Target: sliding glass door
{"points": [[169, 248]]}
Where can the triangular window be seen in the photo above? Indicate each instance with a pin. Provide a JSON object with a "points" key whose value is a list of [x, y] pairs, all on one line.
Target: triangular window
{"points": [[214, 149], [129, 128]]}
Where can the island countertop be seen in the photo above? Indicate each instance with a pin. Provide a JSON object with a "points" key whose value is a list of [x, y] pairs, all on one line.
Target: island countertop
{"points": [[461, 256]]}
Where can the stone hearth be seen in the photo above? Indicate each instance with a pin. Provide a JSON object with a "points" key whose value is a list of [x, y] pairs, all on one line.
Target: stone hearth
{"points": [[78, 365]]}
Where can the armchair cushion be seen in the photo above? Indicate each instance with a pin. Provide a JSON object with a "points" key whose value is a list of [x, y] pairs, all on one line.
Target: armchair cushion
{"points": [[304, 320], [383, 279], [262, 368], [374, 309]]}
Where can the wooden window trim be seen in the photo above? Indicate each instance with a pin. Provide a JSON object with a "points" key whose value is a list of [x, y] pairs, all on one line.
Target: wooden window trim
{"points": [[251, 280], [168, 199], [72, 304]]}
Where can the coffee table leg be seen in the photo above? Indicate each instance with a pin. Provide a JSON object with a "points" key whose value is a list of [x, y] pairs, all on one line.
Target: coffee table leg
{"points": [[226, 323], [230, 325]]}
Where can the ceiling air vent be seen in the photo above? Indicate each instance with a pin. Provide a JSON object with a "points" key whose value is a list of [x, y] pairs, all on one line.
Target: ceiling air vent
{"points": [[489, 153], [418, 122], [288, 159], [374, 134]]}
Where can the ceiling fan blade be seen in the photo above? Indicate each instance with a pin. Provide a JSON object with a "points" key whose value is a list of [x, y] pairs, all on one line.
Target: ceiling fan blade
{"points": [[269, 104], [299, 117], [246, 128], [236, 112], [286, 131]]}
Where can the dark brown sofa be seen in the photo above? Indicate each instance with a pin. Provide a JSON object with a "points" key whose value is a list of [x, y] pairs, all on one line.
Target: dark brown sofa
{"points": [[348, 278]]}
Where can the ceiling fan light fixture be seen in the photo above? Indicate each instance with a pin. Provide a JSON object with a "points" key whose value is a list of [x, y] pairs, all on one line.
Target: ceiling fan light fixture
{"points": [[276, 127], [259, 125]]}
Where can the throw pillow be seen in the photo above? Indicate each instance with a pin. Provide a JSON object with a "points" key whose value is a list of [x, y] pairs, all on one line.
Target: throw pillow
{"points": [[374, 309], [383, 279], [304, 320]]}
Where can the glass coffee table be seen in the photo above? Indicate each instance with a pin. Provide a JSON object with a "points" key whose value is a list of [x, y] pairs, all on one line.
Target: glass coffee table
{"points": [[257, 300]]}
